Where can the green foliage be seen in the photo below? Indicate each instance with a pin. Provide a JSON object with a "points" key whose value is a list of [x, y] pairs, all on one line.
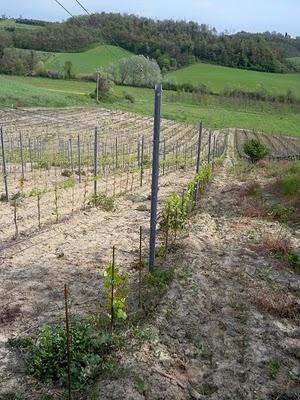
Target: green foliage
{"points": [[289, 185], [255, 150], [47, 356], [160, 278], [115, 280], [280, 213], [101, 200], [136, 71], [176, 211]]}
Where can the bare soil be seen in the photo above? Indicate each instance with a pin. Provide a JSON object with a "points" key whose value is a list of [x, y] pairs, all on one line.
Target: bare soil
{"points": [[208, 339]]}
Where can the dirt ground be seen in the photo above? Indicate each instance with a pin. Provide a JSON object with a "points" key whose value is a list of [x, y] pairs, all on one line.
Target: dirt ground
{"points": [[209, 337], [210, 340]]}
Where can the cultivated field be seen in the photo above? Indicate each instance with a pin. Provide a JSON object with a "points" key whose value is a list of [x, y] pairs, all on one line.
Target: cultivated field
{"points": [[222, 301], [280, 147]]}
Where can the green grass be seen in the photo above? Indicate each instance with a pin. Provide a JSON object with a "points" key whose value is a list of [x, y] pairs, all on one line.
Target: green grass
{"points": [[215, 111], [9, 23], [38, 92], [89, 61], [217, 78]]}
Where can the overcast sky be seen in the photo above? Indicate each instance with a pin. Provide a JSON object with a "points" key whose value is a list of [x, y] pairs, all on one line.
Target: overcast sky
{"points": [[231, 15]]}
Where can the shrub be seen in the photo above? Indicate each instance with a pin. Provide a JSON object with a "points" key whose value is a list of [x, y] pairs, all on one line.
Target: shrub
{"points": [[47, 357], [255, 150]]}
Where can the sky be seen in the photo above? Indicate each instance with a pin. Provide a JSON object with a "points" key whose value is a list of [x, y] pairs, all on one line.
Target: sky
{"points": [[225, 15]]}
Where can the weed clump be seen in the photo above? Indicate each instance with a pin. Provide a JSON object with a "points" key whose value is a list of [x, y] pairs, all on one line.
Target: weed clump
{"points": [[101, 200], [47, 355]]}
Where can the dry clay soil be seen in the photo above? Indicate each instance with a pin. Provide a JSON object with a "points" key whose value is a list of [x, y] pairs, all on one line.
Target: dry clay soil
{"points": [[208, 339]]}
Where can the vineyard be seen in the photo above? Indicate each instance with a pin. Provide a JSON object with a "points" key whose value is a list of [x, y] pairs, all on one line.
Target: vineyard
{"points": [[280, 147], [76, 195], [75, 184], [48, 164]]}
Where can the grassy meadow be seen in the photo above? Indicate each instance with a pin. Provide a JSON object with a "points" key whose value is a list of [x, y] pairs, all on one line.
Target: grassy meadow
{"points": [[217, 78], [215, 111], [89, 61]]}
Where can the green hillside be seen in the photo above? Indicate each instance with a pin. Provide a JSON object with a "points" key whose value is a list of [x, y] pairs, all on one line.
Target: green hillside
{"points": [[87, 62], [217, 78], [215, 111], [11, 24]]}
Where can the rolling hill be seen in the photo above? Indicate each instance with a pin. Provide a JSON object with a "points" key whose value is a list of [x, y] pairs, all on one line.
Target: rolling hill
{"points": [[217, 78], [10, 24], [215, 111], [87, 62]]}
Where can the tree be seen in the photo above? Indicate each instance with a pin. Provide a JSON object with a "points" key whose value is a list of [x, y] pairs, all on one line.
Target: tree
{"points": [[139, 71]]}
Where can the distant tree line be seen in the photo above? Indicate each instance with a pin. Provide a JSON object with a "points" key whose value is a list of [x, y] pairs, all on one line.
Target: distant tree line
{"points": [[37, 22], [172, 44]]}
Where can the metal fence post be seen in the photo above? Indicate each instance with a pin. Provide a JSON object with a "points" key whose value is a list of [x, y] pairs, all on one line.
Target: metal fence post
{"points": [[155, 173], [4, 164], [142, 161], [199, 149], [95, 160]]}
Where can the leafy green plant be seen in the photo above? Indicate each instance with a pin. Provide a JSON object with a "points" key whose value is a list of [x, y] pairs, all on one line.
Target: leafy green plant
{"points": [[116, 286], [47, 356], [103, 201], [255, 150], [176, 211]]}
